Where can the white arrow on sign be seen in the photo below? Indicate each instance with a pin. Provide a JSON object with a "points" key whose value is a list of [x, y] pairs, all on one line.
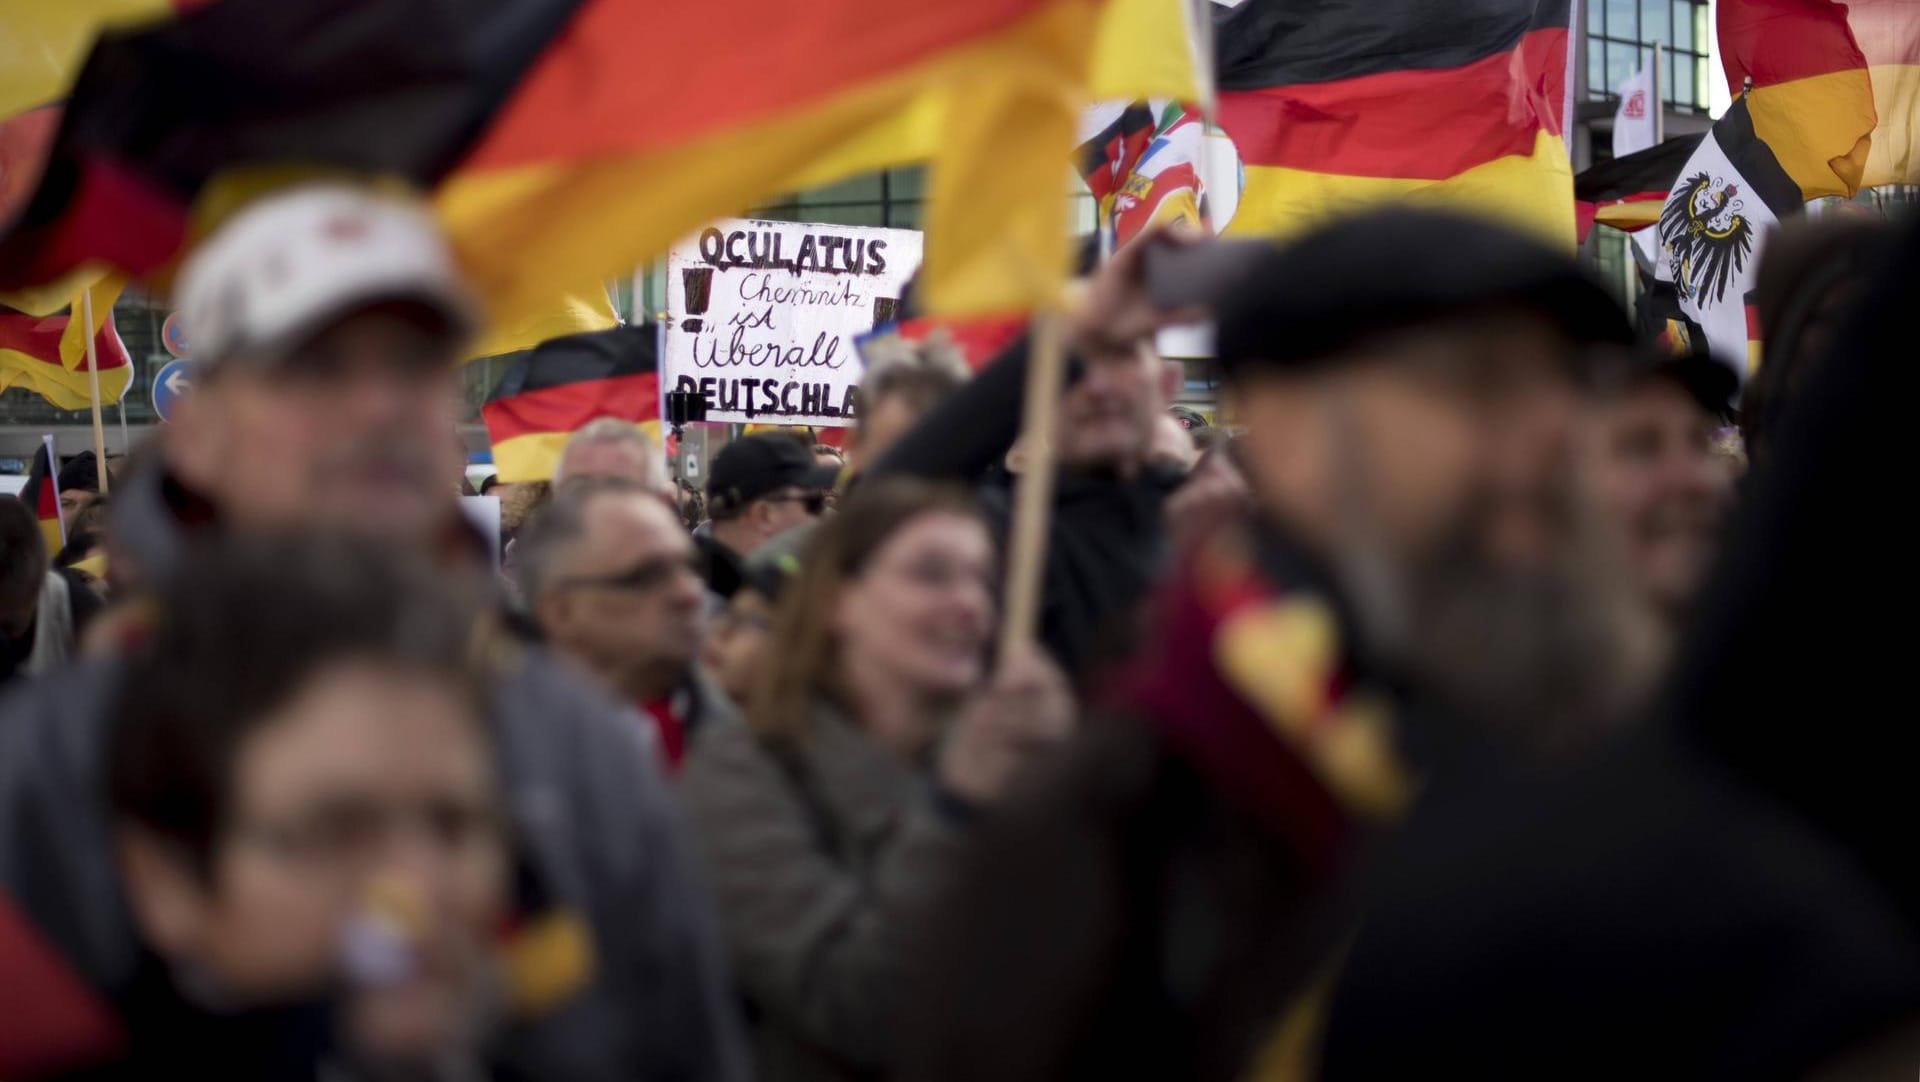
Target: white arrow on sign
{"points": [[179, 383]]}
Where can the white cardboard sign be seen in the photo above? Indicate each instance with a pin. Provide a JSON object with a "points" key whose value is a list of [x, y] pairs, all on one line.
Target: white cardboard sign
{"points": [[761, 316]]}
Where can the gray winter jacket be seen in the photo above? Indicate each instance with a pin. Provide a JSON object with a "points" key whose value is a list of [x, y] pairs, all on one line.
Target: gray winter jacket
{"points": [[590, 813], [823, 858]]}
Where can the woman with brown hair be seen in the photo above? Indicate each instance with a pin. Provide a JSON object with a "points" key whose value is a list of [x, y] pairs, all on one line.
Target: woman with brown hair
{"points": [[832, 816]]}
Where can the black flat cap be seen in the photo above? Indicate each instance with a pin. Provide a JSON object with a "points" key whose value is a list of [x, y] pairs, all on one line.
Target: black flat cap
{"points": [[1299, 305]]}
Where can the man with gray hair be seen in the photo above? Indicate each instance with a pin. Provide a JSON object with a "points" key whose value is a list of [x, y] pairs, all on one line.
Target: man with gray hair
{"points": [[614, 585], [610, 449], [903, 381]]}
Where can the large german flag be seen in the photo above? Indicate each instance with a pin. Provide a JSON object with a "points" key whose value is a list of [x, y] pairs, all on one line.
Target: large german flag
{"points": [[1344, 103], [549, 391], [577, 138], [1812, 99]]}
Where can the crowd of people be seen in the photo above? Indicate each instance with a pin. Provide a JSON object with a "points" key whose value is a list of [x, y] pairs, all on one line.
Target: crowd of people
{"points": [[1413, 718]]}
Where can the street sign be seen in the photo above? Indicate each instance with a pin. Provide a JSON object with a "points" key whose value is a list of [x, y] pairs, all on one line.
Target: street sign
{"points": [[169, 384], [173, 335]]}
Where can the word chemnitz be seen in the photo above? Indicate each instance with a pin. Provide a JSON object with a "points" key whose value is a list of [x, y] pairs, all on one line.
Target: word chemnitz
{"points": [[763, 248], [757, 396]]}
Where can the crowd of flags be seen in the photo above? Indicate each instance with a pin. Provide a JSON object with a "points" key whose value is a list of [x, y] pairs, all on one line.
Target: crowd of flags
{"points": [[553, 154]]}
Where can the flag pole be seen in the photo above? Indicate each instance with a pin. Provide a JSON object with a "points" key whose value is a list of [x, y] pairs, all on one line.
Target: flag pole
{"points": [[93, 387], [1033, 492], [1659, 100]]}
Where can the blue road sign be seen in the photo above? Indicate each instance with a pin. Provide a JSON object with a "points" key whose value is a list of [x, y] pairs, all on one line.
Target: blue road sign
{"points": [[169, 384]]}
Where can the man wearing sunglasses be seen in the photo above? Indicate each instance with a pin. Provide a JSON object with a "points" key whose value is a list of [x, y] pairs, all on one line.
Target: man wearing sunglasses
{"points": [[613, 581], [762, 486]]}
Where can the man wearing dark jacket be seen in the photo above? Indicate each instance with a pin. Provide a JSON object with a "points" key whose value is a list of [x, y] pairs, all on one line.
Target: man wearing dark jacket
{"points": [[1107, 535], [327, 323], [1166, 900]]}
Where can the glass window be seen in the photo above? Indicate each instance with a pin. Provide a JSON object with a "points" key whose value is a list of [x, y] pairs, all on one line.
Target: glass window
{"points": [[1622, 19], [1683, 24], [1596, 18], [1654, 21]]}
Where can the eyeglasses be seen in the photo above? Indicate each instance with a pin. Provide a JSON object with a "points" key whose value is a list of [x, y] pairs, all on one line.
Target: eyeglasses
{"points": [[643, 576], [816, 503]]}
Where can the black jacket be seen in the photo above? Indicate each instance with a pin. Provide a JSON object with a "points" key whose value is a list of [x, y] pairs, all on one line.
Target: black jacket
{"points": [[1107, 539]]}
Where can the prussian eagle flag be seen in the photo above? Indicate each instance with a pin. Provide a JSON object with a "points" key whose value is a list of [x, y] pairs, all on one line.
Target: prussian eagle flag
{"points": [[1729, 197]]}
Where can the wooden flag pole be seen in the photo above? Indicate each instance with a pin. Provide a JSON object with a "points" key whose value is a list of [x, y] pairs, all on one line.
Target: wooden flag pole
{"points": [[93, 386], [1033, 492]]}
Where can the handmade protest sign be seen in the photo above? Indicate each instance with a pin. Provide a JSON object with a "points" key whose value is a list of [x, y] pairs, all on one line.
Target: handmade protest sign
{"points": [[761, 316]]}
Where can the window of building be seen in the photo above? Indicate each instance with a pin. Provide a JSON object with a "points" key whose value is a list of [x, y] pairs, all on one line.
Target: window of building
{"points": [[1620, 37]]}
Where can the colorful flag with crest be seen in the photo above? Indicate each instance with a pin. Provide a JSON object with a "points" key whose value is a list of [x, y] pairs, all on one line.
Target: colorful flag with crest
{"points": [[1729, 197], [1142, 162]]}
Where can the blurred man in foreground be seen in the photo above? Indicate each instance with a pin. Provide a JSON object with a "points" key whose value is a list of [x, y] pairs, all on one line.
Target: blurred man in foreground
{"points": [[1661, 483], [1413, 598], [613, 582], [327, 326]]}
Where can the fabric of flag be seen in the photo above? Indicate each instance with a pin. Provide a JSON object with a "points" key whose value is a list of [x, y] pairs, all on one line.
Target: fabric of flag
{"points": [[1714, 228], [1634, 121], [551, 390], [1344, 103], [47, 354], [42, 43], [577, 311], [1627, 193], [1888, 33], [555, 154], [1141, 161], [41, 494], [979, 340], [1812, 99]]}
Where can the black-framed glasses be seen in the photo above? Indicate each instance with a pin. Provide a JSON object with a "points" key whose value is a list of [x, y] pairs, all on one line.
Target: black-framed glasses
{"points": [[816, 502], [643, 576]]}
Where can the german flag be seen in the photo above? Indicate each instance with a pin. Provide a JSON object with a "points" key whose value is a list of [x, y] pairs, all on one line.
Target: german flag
{"points": [[555, 152], [1812, 99], [1888, 32], [47, 354], [1627, 193], [42, 494], [559, 385], [1344, 103], [576, 311]]}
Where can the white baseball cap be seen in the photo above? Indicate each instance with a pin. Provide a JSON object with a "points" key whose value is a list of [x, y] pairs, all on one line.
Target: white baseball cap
{"points": [[285, 266]]}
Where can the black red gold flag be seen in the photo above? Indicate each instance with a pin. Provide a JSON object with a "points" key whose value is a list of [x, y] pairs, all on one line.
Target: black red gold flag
{"points": [[554, 388]]}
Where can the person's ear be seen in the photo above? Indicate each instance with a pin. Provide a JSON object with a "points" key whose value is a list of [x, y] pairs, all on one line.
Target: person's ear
{"points": [[169, 901]]}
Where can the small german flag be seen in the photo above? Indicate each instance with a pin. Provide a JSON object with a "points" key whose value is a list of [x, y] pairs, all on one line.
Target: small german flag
{"points": [[48, 354], [559, 385], [42, 494], [1343, 103], [1627, 193]]}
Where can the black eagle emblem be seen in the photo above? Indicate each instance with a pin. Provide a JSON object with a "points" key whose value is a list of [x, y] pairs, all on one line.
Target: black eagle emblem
{"points": [[1706, 238]]}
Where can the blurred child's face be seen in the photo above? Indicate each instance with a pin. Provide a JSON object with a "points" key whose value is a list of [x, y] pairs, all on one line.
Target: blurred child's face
{"points": [[364, 854]]}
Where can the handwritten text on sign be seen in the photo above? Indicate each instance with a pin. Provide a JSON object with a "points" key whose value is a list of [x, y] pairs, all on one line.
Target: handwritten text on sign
{"points": [[762, 315]]}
